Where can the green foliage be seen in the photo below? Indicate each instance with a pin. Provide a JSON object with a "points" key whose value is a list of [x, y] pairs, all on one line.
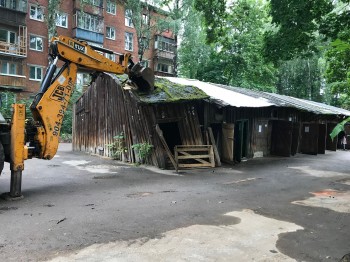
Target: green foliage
{"points": [[6, 101], [68, 116], [338, 128], [300, 78], [143, 150], [296, 24], [193, 52], [215, 15], [118, 146], [236, 33]]}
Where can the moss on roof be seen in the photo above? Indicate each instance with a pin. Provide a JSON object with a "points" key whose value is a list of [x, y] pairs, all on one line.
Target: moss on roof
{"points": [[166, 91]]}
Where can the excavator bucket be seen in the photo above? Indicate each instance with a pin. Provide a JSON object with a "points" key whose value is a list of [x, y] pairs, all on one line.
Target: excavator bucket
{"points": [[142, 77]]}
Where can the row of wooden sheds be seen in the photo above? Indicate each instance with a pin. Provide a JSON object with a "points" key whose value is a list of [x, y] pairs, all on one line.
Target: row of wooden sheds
{"points": [[239, 123]]}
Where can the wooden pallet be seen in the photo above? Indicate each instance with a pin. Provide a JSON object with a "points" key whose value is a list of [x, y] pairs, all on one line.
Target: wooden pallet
{"points": [[194, 156]]}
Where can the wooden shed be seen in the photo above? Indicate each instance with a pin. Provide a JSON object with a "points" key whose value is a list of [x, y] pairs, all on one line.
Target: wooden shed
{"points": [[239, 123], [107, 110], [248, 123]]}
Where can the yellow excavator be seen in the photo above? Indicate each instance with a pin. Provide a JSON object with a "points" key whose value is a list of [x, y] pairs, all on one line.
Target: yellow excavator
{"points": [[22, 139]]}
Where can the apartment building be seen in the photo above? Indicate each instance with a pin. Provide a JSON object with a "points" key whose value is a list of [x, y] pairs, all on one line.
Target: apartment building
{"points": [[24, 38]]}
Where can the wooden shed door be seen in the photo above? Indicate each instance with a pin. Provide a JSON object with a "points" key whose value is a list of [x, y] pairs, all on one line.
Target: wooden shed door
{"points": [[331, 145], [227, 143], [281, 137], [321, 139], [309, 140]]}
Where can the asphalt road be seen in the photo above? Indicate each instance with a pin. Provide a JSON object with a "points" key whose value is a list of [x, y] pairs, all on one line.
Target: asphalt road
{"points": [[78, 207]]}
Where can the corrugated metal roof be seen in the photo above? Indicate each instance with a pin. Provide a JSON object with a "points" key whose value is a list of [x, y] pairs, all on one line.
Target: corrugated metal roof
{"points": [[242, 97]]}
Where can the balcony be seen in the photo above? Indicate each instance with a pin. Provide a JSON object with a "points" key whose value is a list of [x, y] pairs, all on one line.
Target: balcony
{"points": [[88, 35], [16, 47], [88, 27], [12, 82], [164, 54], [13, 12]]}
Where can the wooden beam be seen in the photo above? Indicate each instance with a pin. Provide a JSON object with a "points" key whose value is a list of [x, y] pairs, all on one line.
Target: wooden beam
{"points": [[216, 152], [162, 139]]}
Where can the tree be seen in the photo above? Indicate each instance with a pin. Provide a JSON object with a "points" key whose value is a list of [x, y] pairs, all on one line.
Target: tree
{"points": [[141, 17], [295, 28], [177, 13], [239, 42], [193, 52], [300, 78]]}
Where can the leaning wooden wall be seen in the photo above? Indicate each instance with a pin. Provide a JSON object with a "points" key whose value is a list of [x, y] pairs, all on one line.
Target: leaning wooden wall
{"points": [[106, 110]]}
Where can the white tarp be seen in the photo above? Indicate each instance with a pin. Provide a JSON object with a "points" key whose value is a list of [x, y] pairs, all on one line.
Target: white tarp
{"points": [[229, 97]]}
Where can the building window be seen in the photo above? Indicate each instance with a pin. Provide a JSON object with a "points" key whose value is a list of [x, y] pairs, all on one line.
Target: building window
{"points": [[7, 36], [36, 43], [145, 63], [35, 73], [111, 7], [129, 41], [110, 32], [11, 4], [8, 68], [128, 18], [145, 19], [164, 44], [62, 20], [96, 2], [110, 56], [36, 13], [164, 68], [89, 22]]}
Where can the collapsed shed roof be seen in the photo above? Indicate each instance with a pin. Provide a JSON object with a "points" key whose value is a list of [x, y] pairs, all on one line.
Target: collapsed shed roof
{"points": [[242, 97], [166, 91]]}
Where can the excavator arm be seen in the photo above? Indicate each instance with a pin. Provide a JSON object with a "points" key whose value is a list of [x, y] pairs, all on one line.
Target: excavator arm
{"points": [[51, 102]]}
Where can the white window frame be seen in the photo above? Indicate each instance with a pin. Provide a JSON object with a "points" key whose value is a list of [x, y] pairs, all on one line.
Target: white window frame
{"points": [[36, 72], [128, 18], [169, 67], [129, 41], [96, 2], [36, 9], [110, 56], [89, 22], [8, 37], [145, 19], [111, 7], [8, 68], [109, 30], [59, 20], [36, 43]]}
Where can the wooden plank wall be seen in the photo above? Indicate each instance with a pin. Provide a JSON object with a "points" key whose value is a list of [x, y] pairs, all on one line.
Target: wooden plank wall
{"points": [[105, 110]]}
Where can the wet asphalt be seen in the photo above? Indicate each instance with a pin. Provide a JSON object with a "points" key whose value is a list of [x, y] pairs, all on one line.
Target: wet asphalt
{"points": [[76, 200]]}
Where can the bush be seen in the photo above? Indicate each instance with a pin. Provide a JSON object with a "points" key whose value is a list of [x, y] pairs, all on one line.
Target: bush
{"points": [[143, 151], [118, 146]]}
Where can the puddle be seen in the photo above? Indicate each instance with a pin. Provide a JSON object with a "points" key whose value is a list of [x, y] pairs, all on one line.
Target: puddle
{"points": [[252, 239], [328, 198]]}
